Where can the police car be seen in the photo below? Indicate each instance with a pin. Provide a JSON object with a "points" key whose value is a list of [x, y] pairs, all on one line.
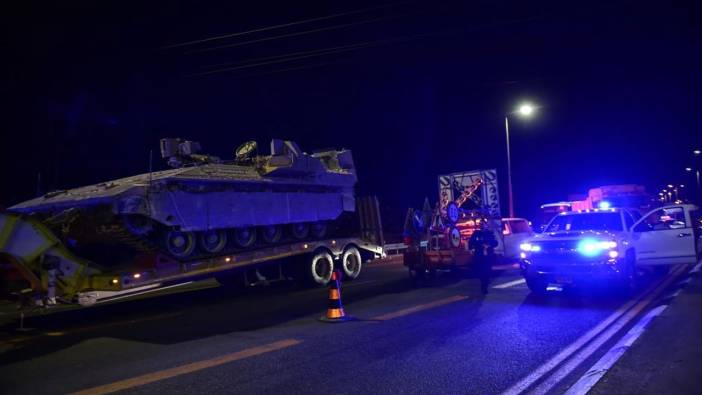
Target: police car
{"points": [[610, 246]]}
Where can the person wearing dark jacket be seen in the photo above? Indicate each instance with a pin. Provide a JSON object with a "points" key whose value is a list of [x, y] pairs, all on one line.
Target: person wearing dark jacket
{"points": [[483, 243]]}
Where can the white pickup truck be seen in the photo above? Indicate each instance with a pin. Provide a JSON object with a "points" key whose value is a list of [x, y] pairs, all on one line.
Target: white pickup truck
{"points": [[600, 246]]}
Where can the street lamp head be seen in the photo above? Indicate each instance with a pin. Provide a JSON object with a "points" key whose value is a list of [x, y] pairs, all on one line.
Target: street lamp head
{"points": [[697, 152], [688, 169], [670, 185], [526, 110]]}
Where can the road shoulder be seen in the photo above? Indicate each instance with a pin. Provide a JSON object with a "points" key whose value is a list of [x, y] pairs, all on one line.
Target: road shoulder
{"points": [[666, 357]]}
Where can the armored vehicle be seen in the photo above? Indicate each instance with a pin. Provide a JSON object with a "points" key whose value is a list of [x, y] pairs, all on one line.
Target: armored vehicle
{"points": [[204, 206]]}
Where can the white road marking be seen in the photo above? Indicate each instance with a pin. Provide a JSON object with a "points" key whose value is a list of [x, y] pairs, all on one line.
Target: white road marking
{"points": [[510, 284], [597, 342], [552, 363], [599, 369]]}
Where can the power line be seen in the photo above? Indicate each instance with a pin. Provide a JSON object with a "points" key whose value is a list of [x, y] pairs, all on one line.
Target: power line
{"points": [[291, 54], [323, 29], [267, 28], [286, 59], [351, 47]]}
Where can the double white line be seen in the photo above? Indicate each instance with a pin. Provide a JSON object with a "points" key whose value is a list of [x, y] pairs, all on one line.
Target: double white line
{"points": [[586, 345]]}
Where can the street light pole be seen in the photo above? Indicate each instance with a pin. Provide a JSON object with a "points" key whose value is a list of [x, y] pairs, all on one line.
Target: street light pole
{"points": [[509, 170]]}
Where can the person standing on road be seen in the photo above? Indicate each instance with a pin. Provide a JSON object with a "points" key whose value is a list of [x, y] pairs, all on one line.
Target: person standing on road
{"points": [[483, 243]]}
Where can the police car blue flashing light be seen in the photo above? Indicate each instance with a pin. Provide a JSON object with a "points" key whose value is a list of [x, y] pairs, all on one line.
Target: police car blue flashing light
{"points": [[593, 247]]}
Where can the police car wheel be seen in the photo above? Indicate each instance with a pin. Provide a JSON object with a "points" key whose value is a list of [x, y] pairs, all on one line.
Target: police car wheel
{"points": [[536, 285]]}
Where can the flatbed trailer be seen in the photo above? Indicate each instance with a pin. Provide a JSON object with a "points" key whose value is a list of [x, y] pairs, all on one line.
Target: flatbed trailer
{"points": [[423, 262], [55, 274]]}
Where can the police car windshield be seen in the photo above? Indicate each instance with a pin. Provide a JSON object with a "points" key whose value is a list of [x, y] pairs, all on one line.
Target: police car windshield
{"points": [[586, 221]]}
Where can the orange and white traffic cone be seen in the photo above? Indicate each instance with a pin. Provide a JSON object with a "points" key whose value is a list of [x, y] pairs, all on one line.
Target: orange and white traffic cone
{"points": [[335, 310]]}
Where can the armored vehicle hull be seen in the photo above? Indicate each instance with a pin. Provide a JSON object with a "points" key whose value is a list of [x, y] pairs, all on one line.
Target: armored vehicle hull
{"points": [[205, 205]]}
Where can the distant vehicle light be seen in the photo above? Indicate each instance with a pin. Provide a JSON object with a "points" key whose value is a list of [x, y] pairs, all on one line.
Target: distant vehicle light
{"points": [[522, 255], [526, 247], [613, 254], [137, 275], [604, 205]]}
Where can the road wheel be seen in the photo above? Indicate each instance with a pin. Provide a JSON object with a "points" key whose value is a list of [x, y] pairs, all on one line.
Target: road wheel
{"points": [[536, 285], [422, 276], [271, 234], [138, 225], [300, 231], [351, 263], [179, 244], [661, 270], [319, 230], [244, 237], [631, 277], [213, 241], [318, 270]]}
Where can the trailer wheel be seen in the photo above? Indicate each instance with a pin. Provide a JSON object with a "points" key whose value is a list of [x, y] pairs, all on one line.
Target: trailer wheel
{"points": [[351, 263], [318, 270], [180, 244], [213, 241], [422, 276]]}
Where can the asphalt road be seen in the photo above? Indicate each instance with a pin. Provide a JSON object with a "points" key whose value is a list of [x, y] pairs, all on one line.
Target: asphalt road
{"points": [[442, 338]]}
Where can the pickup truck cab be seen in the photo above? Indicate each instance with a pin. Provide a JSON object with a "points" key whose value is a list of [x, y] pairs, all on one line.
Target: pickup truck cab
{"points": [[515, 231], [608, 245]]}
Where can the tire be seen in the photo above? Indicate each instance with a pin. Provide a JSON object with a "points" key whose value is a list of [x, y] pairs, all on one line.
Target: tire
{"points": [[536, 285], [629, 284], [317, 270], [351, 263], [213, 241], [179, 244], [661, 270]]}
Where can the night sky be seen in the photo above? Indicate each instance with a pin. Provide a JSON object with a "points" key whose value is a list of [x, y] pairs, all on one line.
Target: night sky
{"points": [[415, 89]]}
